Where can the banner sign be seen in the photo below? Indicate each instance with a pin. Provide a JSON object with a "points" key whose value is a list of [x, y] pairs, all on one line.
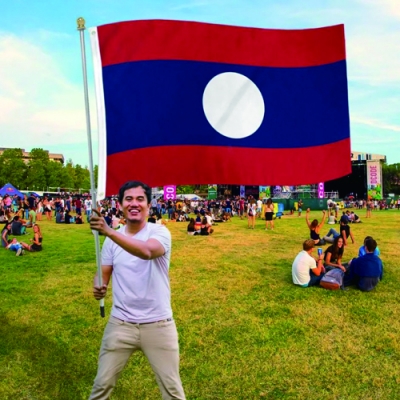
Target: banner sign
{"points": [[265, 192], [242, 191], [373, 173], [169, 192], [321, 190], [212, 191]]}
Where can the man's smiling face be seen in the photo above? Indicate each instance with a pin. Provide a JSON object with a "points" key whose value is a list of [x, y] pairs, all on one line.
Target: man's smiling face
{"points": [[134, 205]]}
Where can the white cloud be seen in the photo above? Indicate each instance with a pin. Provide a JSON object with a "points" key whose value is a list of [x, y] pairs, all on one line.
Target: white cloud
{"points": [[43, 107], [376, 124]]}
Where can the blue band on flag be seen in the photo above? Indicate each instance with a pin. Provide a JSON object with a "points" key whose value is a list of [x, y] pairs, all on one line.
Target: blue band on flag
{"points": [[303, 106]]}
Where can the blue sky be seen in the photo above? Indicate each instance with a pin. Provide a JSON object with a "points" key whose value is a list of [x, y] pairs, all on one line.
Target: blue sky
{"points": [[41, 92]]}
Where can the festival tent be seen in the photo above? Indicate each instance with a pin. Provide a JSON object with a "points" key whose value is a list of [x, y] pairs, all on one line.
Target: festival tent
{"points": [[10, 190], [189, 196]]}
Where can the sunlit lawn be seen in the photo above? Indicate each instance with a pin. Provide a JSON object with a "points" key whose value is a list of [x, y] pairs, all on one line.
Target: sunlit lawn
{"points": [[245, 331]]}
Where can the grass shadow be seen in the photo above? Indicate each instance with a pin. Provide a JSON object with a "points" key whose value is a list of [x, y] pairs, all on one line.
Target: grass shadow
{"points": [[52, 364]]}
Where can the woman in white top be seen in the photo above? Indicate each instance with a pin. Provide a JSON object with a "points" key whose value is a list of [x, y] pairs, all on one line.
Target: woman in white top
{"points": [[251, 215], [39, 210], [331, 219]]}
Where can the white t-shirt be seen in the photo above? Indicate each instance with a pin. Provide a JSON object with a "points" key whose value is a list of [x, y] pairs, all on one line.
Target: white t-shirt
{"points": [[209, 219], [141, 291], [301, 268], [88, 205]]}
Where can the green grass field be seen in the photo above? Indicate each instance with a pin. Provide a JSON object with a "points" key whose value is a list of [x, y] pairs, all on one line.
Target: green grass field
{"points": [[245, 331]]}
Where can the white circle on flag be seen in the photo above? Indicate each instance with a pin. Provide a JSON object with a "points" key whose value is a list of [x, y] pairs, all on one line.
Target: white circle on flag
{"points": [[233, 105]]}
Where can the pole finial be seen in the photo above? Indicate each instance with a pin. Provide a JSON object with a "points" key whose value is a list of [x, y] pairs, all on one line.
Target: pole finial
{"points": [[81, 23]]}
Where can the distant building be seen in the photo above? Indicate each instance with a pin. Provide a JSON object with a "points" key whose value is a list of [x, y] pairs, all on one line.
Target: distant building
{"points": [[358, 156], [26, 155], [365, 180]]}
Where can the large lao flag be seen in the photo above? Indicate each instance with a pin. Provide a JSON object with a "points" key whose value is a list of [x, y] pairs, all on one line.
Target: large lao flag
{"points": [[192, 103]]}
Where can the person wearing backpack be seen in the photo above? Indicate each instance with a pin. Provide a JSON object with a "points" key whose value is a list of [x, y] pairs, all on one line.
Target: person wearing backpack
{"points": [[306, 270]]}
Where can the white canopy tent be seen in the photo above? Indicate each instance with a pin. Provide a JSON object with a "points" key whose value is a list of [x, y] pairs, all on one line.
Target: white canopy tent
{"points": [[189, 196]]}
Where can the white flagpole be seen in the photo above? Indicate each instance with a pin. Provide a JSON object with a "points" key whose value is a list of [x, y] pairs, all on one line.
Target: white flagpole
{"points": [[81, 28]]}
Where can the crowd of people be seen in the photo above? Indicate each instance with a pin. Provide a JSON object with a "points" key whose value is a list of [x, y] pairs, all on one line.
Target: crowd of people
{"points": [[20, 214], [132, 224], [364, 271]]}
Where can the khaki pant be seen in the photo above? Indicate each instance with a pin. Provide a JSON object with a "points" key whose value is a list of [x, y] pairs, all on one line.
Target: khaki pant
{"points": [[159, 343]]}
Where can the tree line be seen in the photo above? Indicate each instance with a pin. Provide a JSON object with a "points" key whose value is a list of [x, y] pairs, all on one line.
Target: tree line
{"points": [[40, 173], [391, 178]]}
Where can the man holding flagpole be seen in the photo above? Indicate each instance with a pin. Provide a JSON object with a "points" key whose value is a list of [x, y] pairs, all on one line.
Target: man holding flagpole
{"points": [[137, 256]]}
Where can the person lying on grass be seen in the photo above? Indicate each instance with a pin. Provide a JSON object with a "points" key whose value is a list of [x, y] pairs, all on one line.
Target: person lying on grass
{"points": [[14, 245], [306, 270]]}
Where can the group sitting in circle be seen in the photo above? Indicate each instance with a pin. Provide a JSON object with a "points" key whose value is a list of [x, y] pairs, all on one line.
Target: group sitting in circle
{"points": [[202, 227], [365, 271]]}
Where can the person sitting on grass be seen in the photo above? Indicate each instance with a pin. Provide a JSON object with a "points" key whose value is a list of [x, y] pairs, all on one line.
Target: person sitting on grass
{"points": [[362, 250], [345, 216], [344, 233], [160, 219], [60, 216], [78, 218], [366, 271], [191, 230], [36, 242], [331, 218], [354, 218], [226, 217], [205, 228], [315, 228], [3, 217], [14, 245], [67, 217], [4, 234], [17, 226], [333, 255], [152, 218], [306, 270], [197, 223]]}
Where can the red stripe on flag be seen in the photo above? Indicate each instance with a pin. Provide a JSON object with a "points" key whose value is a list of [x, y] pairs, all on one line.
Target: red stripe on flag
{"points": [[195, 41], [189, 165]]}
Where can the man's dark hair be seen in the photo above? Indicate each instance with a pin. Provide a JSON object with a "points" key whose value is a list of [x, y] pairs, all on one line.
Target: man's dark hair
{"points": [[371, 245], [131, 185], [16, 218], [366, 238]]}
